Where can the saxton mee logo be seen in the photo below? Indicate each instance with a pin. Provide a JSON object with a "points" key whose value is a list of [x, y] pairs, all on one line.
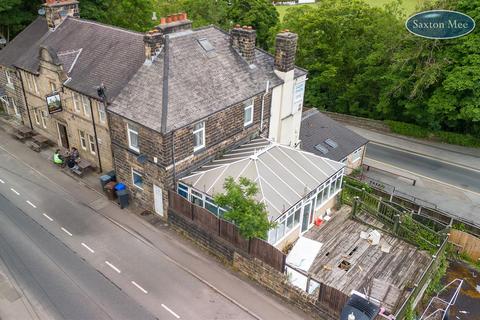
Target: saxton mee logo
{"points": [[440, 24]]}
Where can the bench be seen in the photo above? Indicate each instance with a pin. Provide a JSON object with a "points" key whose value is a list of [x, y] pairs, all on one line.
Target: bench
{"points": [[82, 167], [20, 136], [35, 147]]}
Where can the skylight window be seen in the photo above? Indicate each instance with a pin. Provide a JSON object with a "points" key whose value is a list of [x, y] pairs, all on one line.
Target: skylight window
{"points": [[331, 143], [321, 148], [206, 45]]}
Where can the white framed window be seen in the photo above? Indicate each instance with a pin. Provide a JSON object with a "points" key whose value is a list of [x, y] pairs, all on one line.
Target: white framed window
{"points": [[86, 106], [9, 78], [132, 133], [137, 179], [76, 101], [91, 144], [199, 136], [43, 117], [357, 154], [344, 160], [183, 190], [102, 115], [83, 139], [248, 113], [32, 82], [298, 93], [14, 106], [37, 116], [53, 87]]}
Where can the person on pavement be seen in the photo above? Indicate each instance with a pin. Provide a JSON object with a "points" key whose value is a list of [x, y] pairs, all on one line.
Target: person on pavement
{"points": [[57, 158], [74, 154]]}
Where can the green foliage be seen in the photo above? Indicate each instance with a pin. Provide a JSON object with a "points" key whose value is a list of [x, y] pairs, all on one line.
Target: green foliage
{"points": [[416, 131], [436, 281], [357, 184], [16, 15], [249, 215], [362, 61], [424, 237], [410, 314]]}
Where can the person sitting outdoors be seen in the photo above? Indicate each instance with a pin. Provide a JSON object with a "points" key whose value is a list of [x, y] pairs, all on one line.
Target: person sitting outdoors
{"points": [[72, 159], [57, 158], [74, 154]]}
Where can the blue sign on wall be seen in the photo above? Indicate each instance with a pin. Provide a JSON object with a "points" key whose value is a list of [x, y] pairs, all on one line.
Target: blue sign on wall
{"points": [[440, 24]]}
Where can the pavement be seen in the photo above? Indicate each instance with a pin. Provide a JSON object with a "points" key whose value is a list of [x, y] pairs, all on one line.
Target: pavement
{"points": [[446, 176], [154, 270]]}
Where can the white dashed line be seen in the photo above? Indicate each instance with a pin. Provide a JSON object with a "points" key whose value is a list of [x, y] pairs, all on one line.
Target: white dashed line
{"points": [[1, 181], [141, 289], [66, 231], [169, 310], [46, 216], [31, 204], [15, 191], [88, 248], [113, 267]]}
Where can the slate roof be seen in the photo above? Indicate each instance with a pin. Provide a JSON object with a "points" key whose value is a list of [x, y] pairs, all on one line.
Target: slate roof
{"points": [[23, 41], [200, 83], [108, 54], [316, 127], [284, 175]]}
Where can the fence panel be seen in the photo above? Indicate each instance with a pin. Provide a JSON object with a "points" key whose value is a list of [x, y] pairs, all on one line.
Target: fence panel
{"points": [[180, 205], [205, 219], [229, 232], [469, 244], [331, 299], [267, 253]]}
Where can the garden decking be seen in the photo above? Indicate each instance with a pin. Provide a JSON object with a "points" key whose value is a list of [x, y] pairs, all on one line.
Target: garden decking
{"points": [[347, 262]]}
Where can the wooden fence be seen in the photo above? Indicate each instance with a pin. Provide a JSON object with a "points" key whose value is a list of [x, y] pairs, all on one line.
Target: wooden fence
{"points": [[331, 299], [467, 243], [227, 231]]}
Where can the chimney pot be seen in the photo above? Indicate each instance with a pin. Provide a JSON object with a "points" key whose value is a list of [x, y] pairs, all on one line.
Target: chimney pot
{"points": [[169, 19], [244, 27], [249, 28], [237, 26], [174, 17], [163, 20], [185, 17], [243, 40], [285, 51]]}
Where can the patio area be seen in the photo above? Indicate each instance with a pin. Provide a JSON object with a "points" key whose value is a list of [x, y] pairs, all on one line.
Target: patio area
{"points": [[355, 256]]}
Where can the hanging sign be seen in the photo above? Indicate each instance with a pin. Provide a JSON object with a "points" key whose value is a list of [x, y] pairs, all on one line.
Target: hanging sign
{"points": [[440, 24], [54, 103]]}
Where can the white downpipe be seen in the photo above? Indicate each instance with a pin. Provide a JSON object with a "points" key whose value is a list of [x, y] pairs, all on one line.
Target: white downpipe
{"points": [[263, 105]]}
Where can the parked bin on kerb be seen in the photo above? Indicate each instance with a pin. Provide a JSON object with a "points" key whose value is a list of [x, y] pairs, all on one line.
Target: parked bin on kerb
{"points": [[110, 190], [120, 186], [104, 180], [112, 175], [122, 198]]}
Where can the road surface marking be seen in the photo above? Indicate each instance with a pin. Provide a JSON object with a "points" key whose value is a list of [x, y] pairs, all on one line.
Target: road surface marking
{"points": [[66, 231], [28, 201], [422, 176], [15, 191], [46, 216], [141, 289], [113, 267], [1, 181], [169, 310], [88, 248]]}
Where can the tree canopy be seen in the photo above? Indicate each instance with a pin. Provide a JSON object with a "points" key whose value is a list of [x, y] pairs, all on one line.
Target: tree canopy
{"points": [[16, 15], [249, 215], [362, 61]]}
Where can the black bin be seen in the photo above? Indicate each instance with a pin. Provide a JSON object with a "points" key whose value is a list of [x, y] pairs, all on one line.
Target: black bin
{"points": [[104, 180], [112, 175], [122, 198]]}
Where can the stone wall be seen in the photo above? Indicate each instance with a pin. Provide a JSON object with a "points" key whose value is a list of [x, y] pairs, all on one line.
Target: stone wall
{"points": [[223, 131], [15, 92], [255, 269], [358, 121]]}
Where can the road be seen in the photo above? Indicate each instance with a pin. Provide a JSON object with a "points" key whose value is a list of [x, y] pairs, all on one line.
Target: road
{"points": [[75, 264], [438, 170]]}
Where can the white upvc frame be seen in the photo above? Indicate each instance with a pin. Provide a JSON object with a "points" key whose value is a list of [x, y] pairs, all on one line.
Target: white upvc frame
{"points": [[36, 116], [298, 96], [135, 172], [9, 78], [201, 132], [102, 115], [250, 106], [130, 131], [83, 139], [86, 106], [357, 154], [76, 101], [91, 144], [43, 118]]}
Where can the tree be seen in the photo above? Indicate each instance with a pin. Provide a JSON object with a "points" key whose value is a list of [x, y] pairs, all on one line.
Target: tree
{"points": [[16, 15], [249, 215]]}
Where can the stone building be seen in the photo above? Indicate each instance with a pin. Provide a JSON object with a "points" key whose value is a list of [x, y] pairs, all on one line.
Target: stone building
{"points": [[199, 94], [61, 54]]}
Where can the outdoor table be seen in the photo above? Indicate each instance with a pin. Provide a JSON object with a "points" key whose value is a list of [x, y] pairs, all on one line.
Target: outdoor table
{"points": [[40, 140]]}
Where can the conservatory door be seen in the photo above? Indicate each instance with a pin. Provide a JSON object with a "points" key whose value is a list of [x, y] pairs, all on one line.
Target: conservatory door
{"points": [[307, 211]]}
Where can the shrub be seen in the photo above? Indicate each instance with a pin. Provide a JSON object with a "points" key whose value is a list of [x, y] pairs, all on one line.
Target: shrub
{"points": [[408, 129]]}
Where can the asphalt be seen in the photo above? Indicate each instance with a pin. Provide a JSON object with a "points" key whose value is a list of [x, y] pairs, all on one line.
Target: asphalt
{"points": [[56, 279], [462, 177]]}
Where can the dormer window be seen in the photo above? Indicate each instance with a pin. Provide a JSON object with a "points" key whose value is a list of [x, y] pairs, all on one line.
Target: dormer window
{"points": [[248, 113], [198, 136]]}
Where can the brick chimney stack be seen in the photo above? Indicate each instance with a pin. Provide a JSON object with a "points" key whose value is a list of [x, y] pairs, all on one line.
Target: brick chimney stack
{"points": [[174, 23], [153, 41], [243, 40], [285, 51], [58, 10]]}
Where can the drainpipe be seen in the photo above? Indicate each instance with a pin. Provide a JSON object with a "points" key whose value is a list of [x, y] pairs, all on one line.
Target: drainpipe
{"points": [[25, 98], [263, 105], [95, 134]]}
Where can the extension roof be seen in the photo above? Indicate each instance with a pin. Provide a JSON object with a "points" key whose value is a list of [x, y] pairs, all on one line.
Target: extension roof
{"points": [[91, 53], [283, 174], [201, 80], [317, 127]]}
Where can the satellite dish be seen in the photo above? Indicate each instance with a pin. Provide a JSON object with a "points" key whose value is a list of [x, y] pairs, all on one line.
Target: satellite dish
{"points": [[41, 11]]}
